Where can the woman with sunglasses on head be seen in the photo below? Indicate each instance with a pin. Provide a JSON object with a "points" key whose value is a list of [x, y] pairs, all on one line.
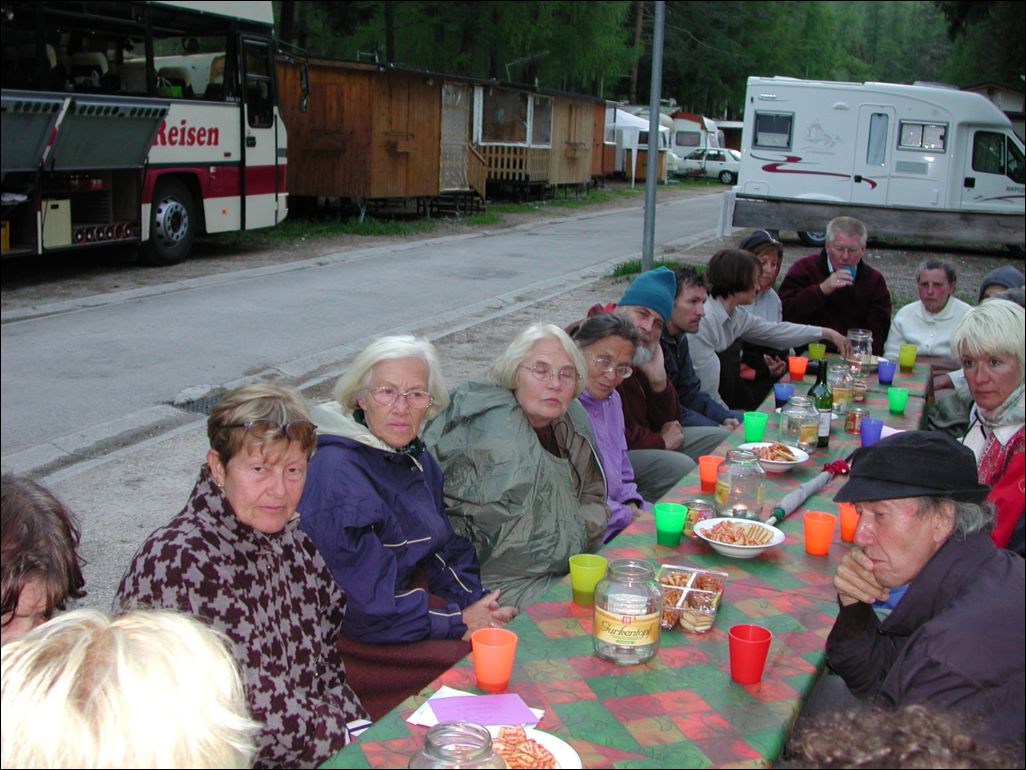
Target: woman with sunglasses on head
{"points": [[522, 481], [236, 558], [609, 342], [373, 507]]}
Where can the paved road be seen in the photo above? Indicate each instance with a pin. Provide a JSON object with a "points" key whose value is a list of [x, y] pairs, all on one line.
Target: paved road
{"points": [[86, 384], [79, 375]]}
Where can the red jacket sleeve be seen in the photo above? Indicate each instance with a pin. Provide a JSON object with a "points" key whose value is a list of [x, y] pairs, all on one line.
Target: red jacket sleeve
{"points": [[645, 411], [1009, 499]]}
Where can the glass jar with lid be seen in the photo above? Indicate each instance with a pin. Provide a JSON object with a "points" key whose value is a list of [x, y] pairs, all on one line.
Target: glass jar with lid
{"points": [[628, 606], [860, 348], [840, 381], [457, 744], [799, 423], [740, 485]]}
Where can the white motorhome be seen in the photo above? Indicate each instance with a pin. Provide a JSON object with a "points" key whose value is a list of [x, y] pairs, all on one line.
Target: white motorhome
{"points": [[918, 161], [693, 132]]}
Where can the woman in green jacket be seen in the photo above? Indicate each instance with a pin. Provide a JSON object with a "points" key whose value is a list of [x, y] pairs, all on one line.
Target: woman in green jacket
{"points": [[522, 480]]}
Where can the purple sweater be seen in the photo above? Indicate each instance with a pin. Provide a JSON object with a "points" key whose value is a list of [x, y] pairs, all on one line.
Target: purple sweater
{"points": [[611, 444]]}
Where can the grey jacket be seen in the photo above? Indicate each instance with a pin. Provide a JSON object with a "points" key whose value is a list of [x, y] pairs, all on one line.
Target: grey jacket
{"points": [[525, 510]]}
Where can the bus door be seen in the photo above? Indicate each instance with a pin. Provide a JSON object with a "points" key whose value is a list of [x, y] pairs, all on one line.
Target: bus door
{"points": [[260, 140]]}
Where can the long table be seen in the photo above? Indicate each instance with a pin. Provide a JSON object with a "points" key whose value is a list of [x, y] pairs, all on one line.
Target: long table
{"points": [[680, 709]]}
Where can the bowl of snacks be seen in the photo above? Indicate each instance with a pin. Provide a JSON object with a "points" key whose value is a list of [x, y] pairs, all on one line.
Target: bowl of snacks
{"points": [[691, 597], [775, 457], [739, 538]]}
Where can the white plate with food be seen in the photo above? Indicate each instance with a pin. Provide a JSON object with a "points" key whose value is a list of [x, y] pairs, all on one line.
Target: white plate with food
{"points": [[775, 457], [528, 747], [738, 538]]}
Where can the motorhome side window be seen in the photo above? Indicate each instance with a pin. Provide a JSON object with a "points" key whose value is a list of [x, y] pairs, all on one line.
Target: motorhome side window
{"points": [[990, 157], [773, 130], [687, 139], [923, 136]]}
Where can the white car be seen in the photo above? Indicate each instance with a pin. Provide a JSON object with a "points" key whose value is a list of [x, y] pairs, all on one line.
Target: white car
{"points": [[722, 164]]}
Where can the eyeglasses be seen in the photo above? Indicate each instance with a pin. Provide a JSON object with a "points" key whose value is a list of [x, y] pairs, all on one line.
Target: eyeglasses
{"points": [[567, 375], [606, 366], [296, 430], [386, 395]]}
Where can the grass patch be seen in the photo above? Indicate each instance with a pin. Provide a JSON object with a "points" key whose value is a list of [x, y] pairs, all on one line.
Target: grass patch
{"points": [[295, 229], [633, 267]]}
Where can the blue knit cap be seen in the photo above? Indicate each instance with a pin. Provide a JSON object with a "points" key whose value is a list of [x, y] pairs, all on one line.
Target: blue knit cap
{"points": [[654, 289]]}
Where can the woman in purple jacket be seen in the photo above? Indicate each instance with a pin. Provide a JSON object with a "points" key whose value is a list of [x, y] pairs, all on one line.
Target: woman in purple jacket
{"points": [[609, 342], [373, 507]]}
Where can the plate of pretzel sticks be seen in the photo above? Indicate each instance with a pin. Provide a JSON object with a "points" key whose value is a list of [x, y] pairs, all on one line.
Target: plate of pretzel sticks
{"points": [[775, 457], [738, 538]]}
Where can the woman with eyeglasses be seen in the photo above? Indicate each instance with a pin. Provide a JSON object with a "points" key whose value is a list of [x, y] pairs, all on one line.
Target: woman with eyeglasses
{"points": [[236, 558], [522, 480], [373, 507], [609, 342]]}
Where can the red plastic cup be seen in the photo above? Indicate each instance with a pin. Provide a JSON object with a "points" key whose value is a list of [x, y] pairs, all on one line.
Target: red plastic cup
{"points": [[819, 531], [796, 366], [494, 650], [707, 465], [749, 646], [849, 520]]}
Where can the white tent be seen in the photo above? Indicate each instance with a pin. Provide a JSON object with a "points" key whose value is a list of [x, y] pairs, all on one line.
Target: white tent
{"points": [[630, 133]]}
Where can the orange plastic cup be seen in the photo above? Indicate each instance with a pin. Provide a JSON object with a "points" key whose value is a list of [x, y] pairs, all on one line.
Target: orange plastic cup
{"points": [[707, 465], [819, 531], [849, 520], [494, 650], [796, 366]]}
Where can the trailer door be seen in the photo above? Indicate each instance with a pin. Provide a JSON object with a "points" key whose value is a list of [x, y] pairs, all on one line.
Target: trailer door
{"points": [[993, 178], [874, 151]]}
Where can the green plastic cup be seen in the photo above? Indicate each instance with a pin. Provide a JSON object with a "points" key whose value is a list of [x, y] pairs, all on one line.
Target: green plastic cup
{"points": [[669, 520], [896, 400], [755, 425]]}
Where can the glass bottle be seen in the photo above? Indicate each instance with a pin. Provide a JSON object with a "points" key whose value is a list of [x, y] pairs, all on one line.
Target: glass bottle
{"points": [[740, 485], [628, 605], [823, 400], [799, 423], [840, 381], [457, 744]]}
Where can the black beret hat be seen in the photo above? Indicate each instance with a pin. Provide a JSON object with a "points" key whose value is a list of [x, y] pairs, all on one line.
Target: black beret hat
{"points": [[914, 463]]}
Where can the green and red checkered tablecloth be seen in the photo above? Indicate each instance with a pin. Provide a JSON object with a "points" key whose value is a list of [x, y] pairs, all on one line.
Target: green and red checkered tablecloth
{"points": [[681, 708]]}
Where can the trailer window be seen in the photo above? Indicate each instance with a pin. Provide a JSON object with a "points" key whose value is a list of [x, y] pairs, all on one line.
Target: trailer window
{"points": [[923, 136], [541, 122], [504, 118], [773, 130], [688, 139], [876, 150]]}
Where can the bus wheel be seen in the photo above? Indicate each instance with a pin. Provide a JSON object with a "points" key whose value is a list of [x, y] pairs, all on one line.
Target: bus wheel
{"points": [[811, 237], [172, 224]]}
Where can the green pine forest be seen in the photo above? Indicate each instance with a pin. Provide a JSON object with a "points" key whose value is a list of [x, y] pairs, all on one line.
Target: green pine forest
{"points": [[710, 48]]}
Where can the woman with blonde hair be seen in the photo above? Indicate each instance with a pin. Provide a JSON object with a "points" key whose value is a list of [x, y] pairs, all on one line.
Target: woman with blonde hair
{"points": [[151, 688], [522, 479], [990, 343], [373, 507], [236, 558]]}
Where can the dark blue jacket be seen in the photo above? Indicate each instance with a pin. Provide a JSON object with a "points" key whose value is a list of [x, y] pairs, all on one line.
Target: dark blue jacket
{"points": [[376, 517], [696, 408]]}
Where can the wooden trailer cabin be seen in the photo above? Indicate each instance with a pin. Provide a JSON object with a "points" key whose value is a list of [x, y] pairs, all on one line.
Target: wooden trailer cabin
{"points": [[373, 133]]}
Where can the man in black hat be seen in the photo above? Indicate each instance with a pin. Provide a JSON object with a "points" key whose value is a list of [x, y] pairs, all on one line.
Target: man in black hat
{"points": [[955, 640]]}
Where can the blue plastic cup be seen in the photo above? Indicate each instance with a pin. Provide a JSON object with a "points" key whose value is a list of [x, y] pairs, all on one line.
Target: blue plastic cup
{"points": [[870, 429], [885, 371], [782, 392]]}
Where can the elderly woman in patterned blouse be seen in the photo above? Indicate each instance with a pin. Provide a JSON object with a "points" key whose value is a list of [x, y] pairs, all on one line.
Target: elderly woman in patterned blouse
{"points": [[236, 558]]}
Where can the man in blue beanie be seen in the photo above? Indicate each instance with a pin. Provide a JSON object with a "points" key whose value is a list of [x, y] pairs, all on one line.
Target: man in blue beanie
{"points": [[658, 449]]}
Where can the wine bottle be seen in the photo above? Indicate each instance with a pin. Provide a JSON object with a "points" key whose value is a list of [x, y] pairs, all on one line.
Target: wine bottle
{"points": [[823, 400]]}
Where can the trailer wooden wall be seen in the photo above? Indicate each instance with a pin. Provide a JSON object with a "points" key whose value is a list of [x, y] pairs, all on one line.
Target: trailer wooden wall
{"points": [[367, 133], [572, 130]]}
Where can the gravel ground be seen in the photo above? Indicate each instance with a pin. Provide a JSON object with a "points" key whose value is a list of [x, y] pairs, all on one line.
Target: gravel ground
{"points": [[465, 353]]}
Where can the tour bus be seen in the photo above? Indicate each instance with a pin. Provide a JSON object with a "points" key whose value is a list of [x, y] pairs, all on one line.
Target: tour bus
{"points": [[138, 123]]}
